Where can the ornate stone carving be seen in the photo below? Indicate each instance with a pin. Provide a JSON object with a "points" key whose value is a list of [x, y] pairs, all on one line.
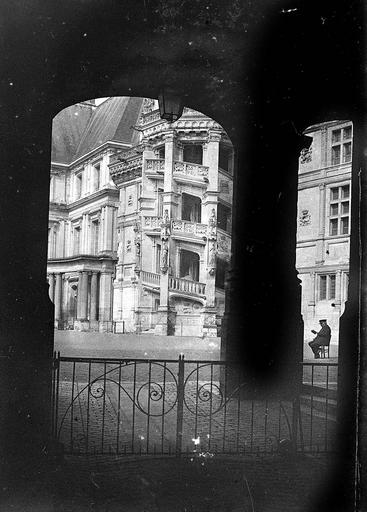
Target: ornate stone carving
{"points": [[154, 165], [304, 218], [212, 225], [148, 105], [152, 222], [212, 257], [306, 155], [128, 246], [165, 226], [137, 241], [164, 257], [191, 170]]}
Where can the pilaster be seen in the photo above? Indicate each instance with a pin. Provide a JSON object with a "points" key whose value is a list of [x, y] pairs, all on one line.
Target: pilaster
{"points": [[105, 302], [58, 297]]}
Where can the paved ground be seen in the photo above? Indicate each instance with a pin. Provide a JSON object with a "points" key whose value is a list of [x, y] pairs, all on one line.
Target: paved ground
{"points": [[74, 344], [275, 483]]}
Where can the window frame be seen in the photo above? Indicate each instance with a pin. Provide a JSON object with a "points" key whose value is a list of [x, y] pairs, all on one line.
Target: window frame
{"points": [[330, 277], [339, 202], [340, 143]]}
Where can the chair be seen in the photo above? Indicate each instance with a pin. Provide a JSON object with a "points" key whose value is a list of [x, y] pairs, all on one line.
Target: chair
{"points": [[324, 352]]}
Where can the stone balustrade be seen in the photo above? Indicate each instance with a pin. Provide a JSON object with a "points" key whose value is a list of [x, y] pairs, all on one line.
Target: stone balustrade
{"points": [[150, 278], [186, 227], [151, 222], [177, 284], [191, 171], [186, 286], [155, 165]]}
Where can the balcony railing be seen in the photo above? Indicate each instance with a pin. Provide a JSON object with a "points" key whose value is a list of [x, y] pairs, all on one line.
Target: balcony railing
{"points": [[150, 278], [154, 165], [186, 286], [151, 222], [191, 171], [186, 227]]}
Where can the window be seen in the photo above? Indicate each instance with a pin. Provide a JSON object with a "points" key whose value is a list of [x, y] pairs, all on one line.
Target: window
{"points": [[95, 237], [327, 286], [339, 210], [191, 208], [158, 259], [224, 217], [161, 152], [78, 185], [76, 244], [193, 153], [96, 176], [160, 202], [220, 275], [225, 158], [341, 146]]}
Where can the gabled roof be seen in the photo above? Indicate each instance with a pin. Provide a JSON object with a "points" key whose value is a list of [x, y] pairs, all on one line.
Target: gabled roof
{"points": [[68, 127], [111, 121]]}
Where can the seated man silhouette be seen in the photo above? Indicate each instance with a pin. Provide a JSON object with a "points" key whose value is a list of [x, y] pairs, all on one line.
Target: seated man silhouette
{"points": [[322, 338]]}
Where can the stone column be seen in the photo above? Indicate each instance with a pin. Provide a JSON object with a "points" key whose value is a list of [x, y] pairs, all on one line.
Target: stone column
{"points": [[105, 302], [262, 327], [82, 323], [51, 290], [338, 288], [93, 301], [58, 296], [165, 324]]}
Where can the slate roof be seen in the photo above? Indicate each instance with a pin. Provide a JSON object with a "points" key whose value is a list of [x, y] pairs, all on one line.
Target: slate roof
{"points": [[112, 120], [81, 128], [68, 127]]}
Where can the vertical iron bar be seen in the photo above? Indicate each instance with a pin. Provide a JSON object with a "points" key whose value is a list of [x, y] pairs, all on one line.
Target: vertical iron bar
{"points": [[163, 406], [311, 422], [149, 392], [88, 405], [118, 411], [180, 400], [133, 419], [72, 409], [266, 424], [197, 400], [327, 407], [211, 407], [279, 419], [57, 393], [225, 406], [295, 421], [54, 362], [252, 425], [238, 409], [104, 405]]}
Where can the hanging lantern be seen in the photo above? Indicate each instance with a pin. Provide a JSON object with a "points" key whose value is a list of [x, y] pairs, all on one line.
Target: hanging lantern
{"points": [[170, 105]]}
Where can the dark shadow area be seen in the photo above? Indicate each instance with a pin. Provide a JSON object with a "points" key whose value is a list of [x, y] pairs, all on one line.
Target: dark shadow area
{"points": [[265, 72]]}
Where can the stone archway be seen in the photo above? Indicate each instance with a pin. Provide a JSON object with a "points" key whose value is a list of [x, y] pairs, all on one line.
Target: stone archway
{"points": [[254, 72]]}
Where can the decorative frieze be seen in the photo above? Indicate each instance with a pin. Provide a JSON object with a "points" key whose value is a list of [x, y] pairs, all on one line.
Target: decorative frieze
{"points": [[189, 228], [152, 222], [154, 165], [193, 171]]}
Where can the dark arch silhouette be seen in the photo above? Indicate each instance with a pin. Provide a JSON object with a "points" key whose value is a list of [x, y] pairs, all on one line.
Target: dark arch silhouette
{"points": [[264, 71]]}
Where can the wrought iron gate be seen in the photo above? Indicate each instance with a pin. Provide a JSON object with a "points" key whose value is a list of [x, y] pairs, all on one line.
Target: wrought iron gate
{"points": [[167, 407]]}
